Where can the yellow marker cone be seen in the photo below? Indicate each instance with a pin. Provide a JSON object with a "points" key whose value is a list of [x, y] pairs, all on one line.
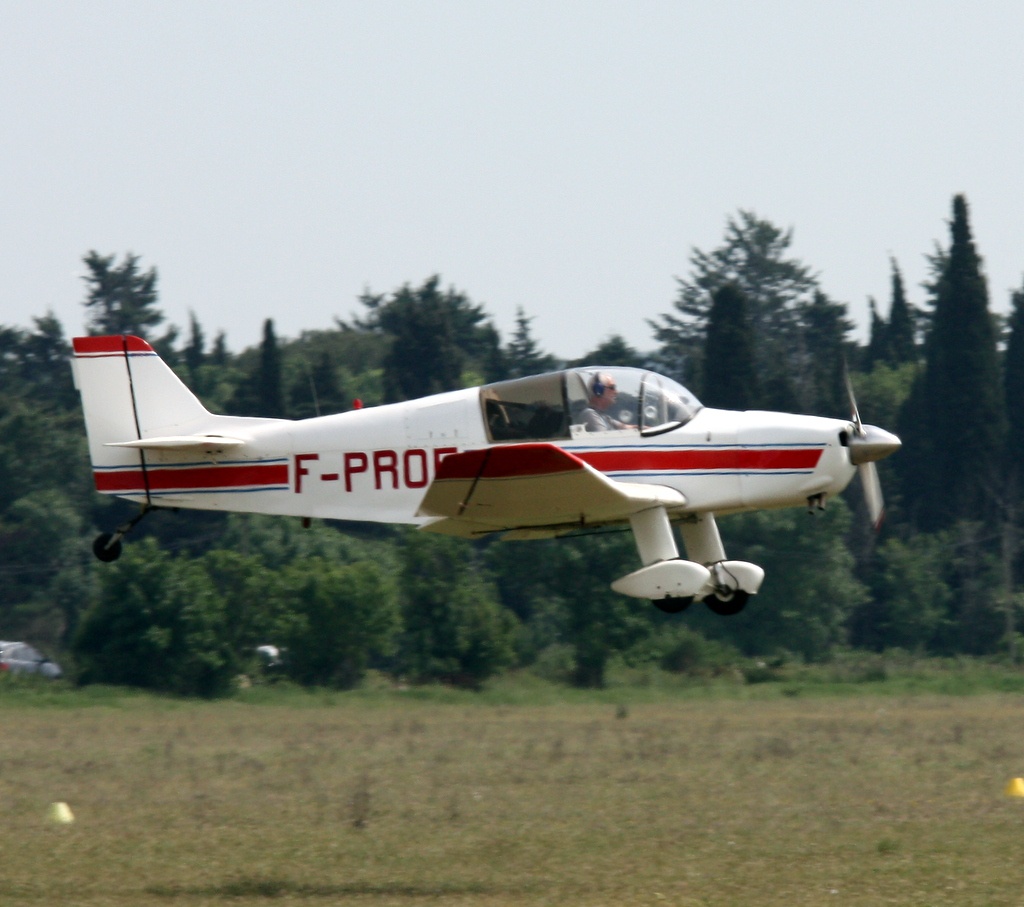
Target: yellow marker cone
{"points": [[1015, 788], [60, 814]]}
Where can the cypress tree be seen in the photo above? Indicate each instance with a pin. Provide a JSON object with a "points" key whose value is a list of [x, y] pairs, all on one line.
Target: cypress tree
{"points": [[824, 331], [195, 352], [877, 350], [900, 345], [269, 383], [1013, 389], [730, 375], [962, 393]]}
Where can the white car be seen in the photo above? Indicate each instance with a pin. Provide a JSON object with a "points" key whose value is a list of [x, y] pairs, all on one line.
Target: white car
{"points": [[21, 658]]}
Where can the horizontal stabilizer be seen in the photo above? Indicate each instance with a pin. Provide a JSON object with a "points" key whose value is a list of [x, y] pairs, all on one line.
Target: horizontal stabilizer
{"points": [[204, 443]]}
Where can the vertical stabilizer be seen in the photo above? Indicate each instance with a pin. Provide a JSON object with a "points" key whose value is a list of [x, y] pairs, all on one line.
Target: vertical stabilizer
{"points": [[129, 393]]}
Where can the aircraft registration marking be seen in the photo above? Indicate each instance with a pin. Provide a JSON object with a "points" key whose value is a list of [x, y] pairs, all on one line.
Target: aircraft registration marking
{"points": [[387, 469]]}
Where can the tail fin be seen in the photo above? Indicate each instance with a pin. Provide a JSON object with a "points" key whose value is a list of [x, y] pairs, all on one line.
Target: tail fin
{"points": [[132, 403], [129, 392]]}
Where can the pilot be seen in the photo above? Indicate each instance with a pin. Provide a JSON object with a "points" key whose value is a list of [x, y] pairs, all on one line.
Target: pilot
{"points": [[603, 395]]}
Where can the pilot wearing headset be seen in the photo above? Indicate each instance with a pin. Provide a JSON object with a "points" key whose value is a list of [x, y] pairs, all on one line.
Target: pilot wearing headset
{"points": [[603, 394]]}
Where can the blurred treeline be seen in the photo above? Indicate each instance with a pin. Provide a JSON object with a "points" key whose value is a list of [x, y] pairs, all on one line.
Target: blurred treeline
{"points": [[751, 328]]}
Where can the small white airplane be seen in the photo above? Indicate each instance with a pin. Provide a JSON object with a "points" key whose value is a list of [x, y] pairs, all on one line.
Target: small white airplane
{"points": [[533, 457]]}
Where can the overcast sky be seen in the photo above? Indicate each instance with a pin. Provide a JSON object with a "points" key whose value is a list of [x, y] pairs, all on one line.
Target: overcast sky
{"points": [[276, 159]]}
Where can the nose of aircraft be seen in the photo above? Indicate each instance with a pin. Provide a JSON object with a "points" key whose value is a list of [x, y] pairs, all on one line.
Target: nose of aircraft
{"points": [[872, 444]]}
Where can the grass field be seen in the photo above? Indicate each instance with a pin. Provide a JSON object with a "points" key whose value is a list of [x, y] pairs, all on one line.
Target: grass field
{"points": [[408, 799]]}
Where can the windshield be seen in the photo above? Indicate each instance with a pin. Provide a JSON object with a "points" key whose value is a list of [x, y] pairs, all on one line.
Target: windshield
{"points": [[580, 402], [665, 404]]}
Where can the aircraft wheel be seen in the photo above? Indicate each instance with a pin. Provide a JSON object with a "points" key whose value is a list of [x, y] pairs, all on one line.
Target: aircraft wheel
{"points": [[728, 606], [673, 604], [102, 551]]}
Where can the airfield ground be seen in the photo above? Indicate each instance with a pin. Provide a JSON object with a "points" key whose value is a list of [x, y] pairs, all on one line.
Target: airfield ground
{"points": [[759, 799]]}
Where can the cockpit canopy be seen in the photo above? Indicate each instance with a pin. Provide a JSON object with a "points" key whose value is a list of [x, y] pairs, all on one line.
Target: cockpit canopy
{"points": [[579, 402]]}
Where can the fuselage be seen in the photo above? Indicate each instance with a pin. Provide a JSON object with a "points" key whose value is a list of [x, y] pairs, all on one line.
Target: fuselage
{"points": [[530, 457], [375, 464]]}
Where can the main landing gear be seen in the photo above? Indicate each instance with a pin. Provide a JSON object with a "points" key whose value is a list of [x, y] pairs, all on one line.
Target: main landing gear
{"points": [[107, 546], [674, 583]]}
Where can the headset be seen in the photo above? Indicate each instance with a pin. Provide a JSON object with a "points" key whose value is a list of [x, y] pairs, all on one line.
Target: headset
{"points": [[598, 387]]}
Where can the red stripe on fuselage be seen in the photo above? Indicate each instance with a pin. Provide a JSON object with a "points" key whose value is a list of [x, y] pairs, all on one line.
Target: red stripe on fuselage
{"points": [[545, 459], [737, 459], [191, 478]]}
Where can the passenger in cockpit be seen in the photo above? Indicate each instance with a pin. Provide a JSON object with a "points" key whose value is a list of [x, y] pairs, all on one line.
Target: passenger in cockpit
{"points": [[602, 395]]}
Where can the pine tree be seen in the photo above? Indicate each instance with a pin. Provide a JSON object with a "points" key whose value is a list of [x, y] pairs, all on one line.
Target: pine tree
{"points": [[730, 379], [824, 329], [755, 256], [121, 299], [522, 355], [434, 337], [613, 350]]}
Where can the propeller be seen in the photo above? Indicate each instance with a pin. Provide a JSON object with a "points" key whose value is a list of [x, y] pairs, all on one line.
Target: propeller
{"points": [[867, 445]]}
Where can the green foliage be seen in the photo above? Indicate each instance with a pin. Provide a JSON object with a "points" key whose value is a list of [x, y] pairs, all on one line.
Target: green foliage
{"points": [[730, 376], [809, 592], [278, 541], [560, 589], [1013, 395], [613, 351], [159, 623], [120, 298], [345, 598], [961, 405], [799, 334], [342, 616], [912, 597], [598, 621], [522, 354], [434, 336], [892, 343], [679, 649], [263, 393], [882, 392], [455, 629], [46, 566], [34, 364]]}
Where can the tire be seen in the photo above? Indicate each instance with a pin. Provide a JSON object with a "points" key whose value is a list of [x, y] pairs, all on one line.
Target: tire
{"points": [[727, 607], [105, 552], [673, 604]]}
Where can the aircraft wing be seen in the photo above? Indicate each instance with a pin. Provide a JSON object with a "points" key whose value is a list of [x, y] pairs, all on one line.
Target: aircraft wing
{"points": [[531, 491]]}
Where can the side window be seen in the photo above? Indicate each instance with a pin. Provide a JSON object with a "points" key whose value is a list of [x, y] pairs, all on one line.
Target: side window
{"points": [[525, 409], [603, 400]]}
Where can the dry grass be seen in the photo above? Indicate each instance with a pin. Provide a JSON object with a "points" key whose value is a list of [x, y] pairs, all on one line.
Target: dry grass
{"points": [[773, 802]]}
